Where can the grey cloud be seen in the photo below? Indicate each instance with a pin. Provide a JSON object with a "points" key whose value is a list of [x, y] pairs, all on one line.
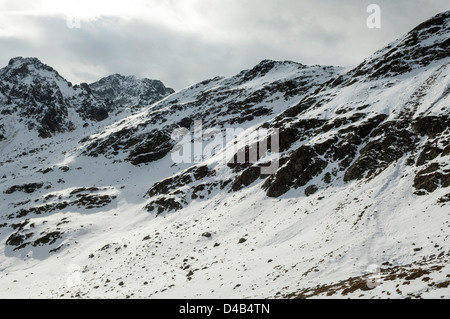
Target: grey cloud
{"points": [[242, 34]]}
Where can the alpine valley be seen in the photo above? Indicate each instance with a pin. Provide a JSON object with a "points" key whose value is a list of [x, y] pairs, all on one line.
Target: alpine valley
{"points": [[92, 204]]}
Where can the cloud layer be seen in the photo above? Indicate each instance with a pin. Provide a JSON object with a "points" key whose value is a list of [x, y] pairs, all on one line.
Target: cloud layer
{"points": [[182, 42]]}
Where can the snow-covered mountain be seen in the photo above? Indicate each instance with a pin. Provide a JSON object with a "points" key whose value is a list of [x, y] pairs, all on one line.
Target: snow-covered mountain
{"points": [[244, 100], [130, 91], [35, 95], [357, 206]]}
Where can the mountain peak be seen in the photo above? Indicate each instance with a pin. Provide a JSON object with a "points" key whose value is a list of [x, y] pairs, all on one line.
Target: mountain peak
{"points": [[129, 90], [120, 76], [41, 98], [19, 68], [21, 60], [265, 67], [439, 20], [427, 42]]}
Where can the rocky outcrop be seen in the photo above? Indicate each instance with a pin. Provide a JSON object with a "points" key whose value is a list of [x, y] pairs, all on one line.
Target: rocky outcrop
{"points": [[39, 96], [129, 91]]}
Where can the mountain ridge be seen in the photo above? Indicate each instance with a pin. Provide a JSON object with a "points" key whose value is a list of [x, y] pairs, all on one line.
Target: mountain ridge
{"points": [[42, 98], [129, 90], [357, 207]]}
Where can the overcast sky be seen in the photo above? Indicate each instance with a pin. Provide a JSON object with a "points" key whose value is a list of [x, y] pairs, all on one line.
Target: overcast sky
{"points": [[182, 42]]}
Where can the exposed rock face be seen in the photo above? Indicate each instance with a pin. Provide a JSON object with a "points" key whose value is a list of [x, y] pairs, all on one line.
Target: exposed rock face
{"points": [[167, 196]]}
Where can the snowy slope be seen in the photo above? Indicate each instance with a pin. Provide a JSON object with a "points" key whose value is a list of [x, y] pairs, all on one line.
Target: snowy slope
{"points": [[129, 91], [358, 207]]}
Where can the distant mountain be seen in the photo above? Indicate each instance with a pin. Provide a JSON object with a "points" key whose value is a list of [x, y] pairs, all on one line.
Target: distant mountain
{"points": [[356, 207], [129, 90], [35, 95]]}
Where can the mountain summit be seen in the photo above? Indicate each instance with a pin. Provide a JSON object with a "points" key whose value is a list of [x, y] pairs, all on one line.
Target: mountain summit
{"points": [[129, 90], [37, 96], [427, 43]]}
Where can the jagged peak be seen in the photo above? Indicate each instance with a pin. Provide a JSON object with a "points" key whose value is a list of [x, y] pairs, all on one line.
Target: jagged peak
{"points": [[16, 61], [19, 62], [440, 20], [427, 42], [119, 78]]}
